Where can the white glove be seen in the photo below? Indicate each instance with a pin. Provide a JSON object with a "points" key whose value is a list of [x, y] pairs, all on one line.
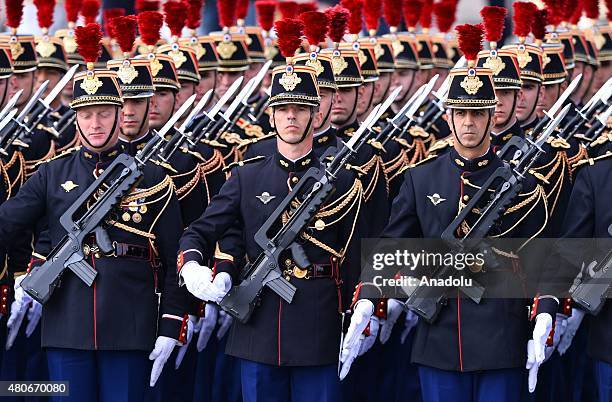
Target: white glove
{"points": [[19, 307], [223, 283], [560, 325], [198, 280], [34, 314], [225, 322], [369, 340], [394, 309], [183, 349], [536, 347], [354, 335], [572, 325], [207, 323], [160, 354], [412, 319]]}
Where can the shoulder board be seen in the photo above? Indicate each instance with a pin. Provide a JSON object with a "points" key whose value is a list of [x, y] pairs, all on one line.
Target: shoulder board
{"points": [[376, 145], [429, 158], [417, 131], [257, 139], [591, 161], [557, 142], [358, 169], [602, 139], [66, 152], [213, 143], [244, 162], [195, 154], [441, 144]]}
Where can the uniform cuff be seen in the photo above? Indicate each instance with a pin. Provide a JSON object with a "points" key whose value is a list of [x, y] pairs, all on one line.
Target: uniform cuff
{"points": [[226, 266], [174, 326]]}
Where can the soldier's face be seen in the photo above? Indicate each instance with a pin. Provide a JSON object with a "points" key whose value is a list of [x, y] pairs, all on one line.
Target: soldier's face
{"points": [[381, 87], [225, 80], [469, 126], [135, 120], [96, 125], [403, 77], [207, 82], [291, 121], [585, 82], [187, 89], [327, 102], [345, 106], [548, 96], [366, 92], [44, 74], [504, 109], [23, 81], [4, 84], [252, 72], [162, 106], [603, 73], [527, 99]]}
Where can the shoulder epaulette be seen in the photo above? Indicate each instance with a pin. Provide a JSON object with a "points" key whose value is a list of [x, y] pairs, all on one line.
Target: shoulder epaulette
{"points": [[66, 152], [213, 143], [441, 144], [244, 162], [250, 141], [557, 142], [429, 158], [591, 161], [376, 145], [602, 139]]}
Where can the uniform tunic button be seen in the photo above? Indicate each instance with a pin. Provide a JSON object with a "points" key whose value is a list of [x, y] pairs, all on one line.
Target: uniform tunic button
{"points": [[466, 197], [294, 180]]}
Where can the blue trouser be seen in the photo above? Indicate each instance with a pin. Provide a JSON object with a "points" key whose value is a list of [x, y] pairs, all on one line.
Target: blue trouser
{"points": [[503, 385], [603, 379], [175, 385], [267, 383], [100, 376], [217, 374]]}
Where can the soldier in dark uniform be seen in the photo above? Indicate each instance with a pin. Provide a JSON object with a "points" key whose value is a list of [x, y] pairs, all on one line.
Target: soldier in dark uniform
{"points": [[585, 61], [458, 354], [278, 362], [107, 330]]}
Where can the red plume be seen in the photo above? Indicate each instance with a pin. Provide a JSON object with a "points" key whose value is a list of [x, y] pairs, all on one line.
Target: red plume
{"points": [[555, 13], [124, 28], [569, 6], [227, 12], [109, 14], [591, 8], [609, 7], [538, 26], [289, 34], [194, 13], [44, 12], [88, 40], [175, 14], [146, 5], [355, 7], [445, 14], [338, 18], [265, 14], [242, 9], [373, 11], [470, 37], [412, 12], [72, 8], [523, 18], [288, 9], [493, 21], [392, 8], [90, 10], [149, 24], [306, 7], [315, 26], [426, 12], [577, 13], [14, 13]]}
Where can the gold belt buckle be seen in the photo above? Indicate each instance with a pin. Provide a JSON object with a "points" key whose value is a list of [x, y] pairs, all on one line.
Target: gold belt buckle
{"points": [[300, 273]]}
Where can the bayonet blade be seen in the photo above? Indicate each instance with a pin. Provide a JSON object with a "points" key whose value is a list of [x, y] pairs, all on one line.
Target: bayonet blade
{"points": [[420, 99], [176, 116], [390, 99], [247, 92], [599, 95], [603, 117], [60, 86], [194, 112], [363, 127], [10, 104], [415, 95], [226, 96], [559, 103], [26, 109], [551, 126]]}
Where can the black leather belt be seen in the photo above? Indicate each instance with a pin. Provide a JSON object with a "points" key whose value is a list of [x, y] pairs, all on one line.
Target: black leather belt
{"points": [[121, 250], [313, 271]]}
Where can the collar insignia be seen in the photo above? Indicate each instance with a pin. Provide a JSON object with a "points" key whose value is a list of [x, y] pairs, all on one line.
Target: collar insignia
{"points": [[69, 186], [265, 197], [436, 199]]}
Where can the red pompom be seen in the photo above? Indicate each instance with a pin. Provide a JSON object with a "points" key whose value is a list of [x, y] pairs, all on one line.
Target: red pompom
{"points": [[242, 9], [288, 9], [355, 7], [554, 9], [124, 28], [469, 37], [392, 10], [108, 15], [523, 18], [149, 24], [538, 26], [373, 11], [426, 12], [493, 21], [146, 5], [412, 12], [14, 13], [44, 12], [90, 10], [338, 18], [194, 13], [265, 14], [88, 39], [577, 13], [289, 34], [569, 6], [591, 8], [175, 14], [445, 14], [72, 8], [307, 7], [227, 12], [315, 26]]}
